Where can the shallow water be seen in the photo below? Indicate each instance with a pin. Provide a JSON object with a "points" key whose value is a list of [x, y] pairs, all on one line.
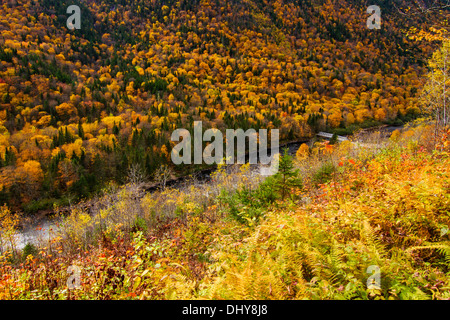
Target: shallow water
{"points": [[37, 233]]}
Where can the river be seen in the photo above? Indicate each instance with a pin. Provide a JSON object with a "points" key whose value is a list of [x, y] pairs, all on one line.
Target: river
{"points": [[43, 229]]}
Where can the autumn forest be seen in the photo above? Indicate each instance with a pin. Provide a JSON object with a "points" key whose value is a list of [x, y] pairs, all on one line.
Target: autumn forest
{"points": [[87, 114], [79, 107]]}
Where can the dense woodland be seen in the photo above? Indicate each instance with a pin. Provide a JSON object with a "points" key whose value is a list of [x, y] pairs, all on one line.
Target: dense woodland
{"points": [[89, 113], [78, 108]]}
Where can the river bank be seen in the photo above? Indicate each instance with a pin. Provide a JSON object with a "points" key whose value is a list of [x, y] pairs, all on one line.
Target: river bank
{"points": [[43, 225]]}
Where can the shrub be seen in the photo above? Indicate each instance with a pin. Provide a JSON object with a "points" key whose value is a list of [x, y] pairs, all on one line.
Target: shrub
{"points": [[139, 224], [242, 205], [324, 174], [29, 249]]}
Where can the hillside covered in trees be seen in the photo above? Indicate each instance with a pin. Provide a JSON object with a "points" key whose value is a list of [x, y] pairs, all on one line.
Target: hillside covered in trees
{"points": [[89, 113], [78, 108]]}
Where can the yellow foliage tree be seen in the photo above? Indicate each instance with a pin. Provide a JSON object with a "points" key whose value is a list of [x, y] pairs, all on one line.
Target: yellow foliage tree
{"points": [[8, 227], [302, 152]]}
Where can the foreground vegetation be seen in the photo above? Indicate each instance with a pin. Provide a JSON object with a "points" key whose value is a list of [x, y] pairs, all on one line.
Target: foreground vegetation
{"points": [[377, 202]]}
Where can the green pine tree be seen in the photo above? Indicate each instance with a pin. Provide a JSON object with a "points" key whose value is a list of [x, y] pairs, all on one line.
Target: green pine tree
{"points": [[80, 130], [287, 177]]}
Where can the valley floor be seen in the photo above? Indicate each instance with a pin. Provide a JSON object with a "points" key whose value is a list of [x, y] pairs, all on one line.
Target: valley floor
{"points": [[364, 223]]}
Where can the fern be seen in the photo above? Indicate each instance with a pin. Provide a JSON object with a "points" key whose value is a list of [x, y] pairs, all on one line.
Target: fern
{"points": [[370, 238], [443, 248]]}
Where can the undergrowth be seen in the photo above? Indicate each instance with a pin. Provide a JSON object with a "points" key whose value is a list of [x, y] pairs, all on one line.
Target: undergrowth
{"points": [[381, 204]]}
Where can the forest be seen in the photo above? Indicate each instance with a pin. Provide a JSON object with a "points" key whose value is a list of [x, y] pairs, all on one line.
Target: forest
{"points": [[86, 118], [80, 107]]}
